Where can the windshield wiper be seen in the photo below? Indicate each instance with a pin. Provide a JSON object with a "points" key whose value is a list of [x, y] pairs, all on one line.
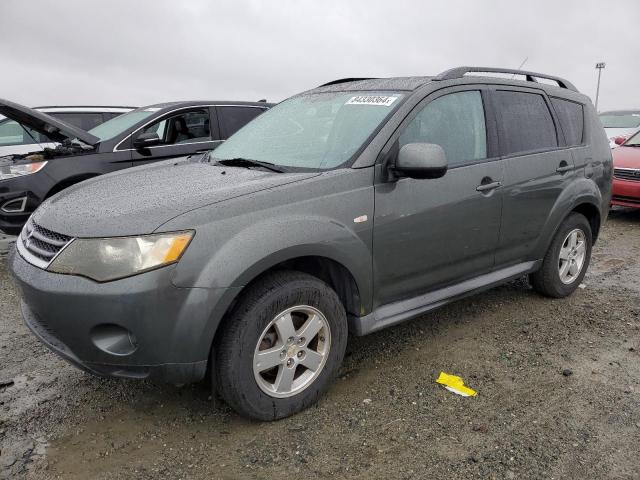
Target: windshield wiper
{"points": [[247, 162]]}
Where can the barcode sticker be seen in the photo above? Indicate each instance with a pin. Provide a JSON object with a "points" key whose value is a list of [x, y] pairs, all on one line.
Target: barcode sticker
{"points": [[382, 100]]}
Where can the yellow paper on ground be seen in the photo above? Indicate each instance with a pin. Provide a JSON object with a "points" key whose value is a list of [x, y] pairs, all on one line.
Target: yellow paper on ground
{"points": [[455, 384]]}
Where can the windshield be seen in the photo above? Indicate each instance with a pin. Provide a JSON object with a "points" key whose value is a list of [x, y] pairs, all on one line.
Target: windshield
{"points": [[119, 124], [621, 121], [633, 141], [316, 131]]}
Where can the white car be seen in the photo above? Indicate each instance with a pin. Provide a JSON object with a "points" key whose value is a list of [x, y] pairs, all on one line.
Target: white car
{"points": [[16, 139], [620, 123]]}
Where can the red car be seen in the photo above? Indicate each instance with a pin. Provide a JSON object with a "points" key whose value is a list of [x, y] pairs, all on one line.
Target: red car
{"points": [[626, 173]]}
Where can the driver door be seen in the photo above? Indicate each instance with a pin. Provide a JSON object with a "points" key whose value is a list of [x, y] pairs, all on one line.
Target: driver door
{"points": [[432, 233]]}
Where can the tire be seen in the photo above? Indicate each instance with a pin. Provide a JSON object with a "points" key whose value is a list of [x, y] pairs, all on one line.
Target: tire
{"points": [[549, 280], [258, 325]]}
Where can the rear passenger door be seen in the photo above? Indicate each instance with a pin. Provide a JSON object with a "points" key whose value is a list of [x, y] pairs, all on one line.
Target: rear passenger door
{"points": [[182, 132], [538, 167], [233, 118], [431, 233]]}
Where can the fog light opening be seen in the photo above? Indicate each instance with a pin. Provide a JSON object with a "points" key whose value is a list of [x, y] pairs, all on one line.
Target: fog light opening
{"points": [[114, 339]]}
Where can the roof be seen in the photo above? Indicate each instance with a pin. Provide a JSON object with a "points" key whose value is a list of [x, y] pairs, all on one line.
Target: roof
{"points": [[84, 106], [379, 84]]}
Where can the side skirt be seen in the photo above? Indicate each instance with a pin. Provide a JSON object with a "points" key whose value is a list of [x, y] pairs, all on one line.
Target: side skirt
{"points": [[397, 312]]}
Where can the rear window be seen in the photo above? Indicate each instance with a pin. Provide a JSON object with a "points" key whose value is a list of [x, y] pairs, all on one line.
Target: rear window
{"points": [[234, 118], [571, 118], [525, 122]]}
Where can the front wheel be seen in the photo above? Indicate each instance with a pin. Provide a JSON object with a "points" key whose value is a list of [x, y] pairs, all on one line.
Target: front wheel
{"points": [[565, 263], [281, 346]]}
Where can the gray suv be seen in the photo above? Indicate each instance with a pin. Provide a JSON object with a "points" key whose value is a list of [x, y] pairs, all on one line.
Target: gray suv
{"points": [[348, 208]]}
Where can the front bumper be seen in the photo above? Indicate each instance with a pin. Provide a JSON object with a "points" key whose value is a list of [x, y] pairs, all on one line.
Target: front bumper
{"points": [[626, 193], [168, 330]]}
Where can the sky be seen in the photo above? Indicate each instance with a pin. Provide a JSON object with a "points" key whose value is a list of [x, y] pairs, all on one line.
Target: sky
{"points": [[128, 52]]}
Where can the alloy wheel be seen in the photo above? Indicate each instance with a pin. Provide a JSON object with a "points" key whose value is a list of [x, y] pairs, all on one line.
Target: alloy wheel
{"points": [[291, 351], [572, 256]]}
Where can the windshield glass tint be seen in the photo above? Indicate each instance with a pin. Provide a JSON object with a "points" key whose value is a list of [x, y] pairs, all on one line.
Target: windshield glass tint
{"points": [[116, 126], [620, 121], [633, 141], [316, 131]]}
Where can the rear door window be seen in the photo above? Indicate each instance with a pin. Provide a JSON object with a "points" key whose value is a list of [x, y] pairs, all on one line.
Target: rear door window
{"points": [[524, 122], [233, 119], [454, 121], [571, 118]]}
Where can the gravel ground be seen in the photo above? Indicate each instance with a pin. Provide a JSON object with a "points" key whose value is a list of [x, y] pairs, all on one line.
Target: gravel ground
{"points": [[558, 386]]}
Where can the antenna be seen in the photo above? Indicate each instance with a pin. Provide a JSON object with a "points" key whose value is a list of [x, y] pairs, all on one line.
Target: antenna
{"points": [[521, 65]]}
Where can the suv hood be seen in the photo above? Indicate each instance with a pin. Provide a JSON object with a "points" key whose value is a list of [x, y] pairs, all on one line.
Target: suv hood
{"points": [[55, 129], [139, 200]]}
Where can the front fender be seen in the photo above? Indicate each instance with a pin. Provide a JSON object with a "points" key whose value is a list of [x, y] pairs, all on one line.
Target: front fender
{"points": [[262, 245]]}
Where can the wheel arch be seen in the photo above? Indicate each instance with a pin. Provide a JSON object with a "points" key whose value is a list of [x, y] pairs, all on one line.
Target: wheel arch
{"points": [[592, 213], [329, 270], [587, 204]]}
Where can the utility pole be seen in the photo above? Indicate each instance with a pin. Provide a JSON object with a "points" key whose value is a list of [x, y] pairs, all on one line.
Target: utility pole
{"points": [[599, 66]]}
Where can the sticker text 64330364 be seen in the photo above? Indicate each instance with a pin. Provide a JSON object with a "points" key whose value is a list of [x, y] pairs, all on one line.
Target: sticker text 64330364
{"points": [[383, 100]]}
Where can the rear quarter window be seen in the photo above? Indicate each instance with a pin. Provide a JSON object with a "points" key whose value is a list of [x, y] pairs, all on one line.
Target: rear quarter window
{"points": [[524, 121], [571, 116]]}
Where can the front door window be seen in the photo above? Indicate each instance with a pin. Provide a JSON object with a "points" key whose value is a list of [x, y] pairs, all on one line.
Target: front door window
{"points": [[186, 127]]}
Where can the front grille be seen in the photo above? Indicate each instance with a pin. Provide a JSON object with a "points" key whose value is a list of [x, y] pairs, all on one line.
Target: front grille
{"points": [[622, 198], [632, 174], [41, 244]]}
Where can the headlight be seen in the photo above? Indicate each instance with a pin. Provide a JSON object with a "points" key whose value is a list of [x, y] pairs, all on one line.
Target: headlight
{"points": [[18, 170], [106, 259]]}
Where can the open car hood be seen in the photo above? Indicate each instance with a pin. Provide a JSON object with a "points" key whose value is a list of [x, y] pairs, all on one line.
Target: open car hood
{"points": [[55, 129]]}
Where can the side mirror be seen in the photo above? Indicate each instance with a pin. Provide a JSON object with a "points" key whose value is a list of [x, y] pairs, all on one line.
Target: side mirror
{"points": [[146, 140], [421, 160], [619, 140]]}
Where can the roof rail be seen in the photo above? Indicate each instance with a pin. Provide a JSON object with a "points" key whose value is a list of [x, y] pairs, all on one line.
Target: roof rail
{"points": [[85, 106], [344, 80], [459, 72]]}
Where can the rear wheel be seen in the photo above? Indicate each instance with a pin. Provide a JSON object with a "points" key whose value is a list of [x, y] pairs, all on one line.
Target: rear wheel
{"points": [[565, 263], [281, 346]]}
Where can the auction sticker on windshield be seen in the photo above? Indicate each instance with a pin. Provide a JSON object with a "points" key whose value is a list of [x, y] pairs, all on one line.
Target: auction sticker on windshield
{"points": [[383, 100]]}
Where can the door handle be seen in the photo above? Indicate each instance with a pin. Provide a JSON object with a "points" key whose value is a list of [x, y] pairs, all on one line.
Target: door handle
{"points": [[485, 187], [564, 167]]}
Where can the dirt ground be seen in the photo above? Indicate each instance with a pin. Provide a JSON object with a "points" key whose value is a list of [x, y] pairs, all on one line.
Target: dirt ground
{"points": [[558, 386]]}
